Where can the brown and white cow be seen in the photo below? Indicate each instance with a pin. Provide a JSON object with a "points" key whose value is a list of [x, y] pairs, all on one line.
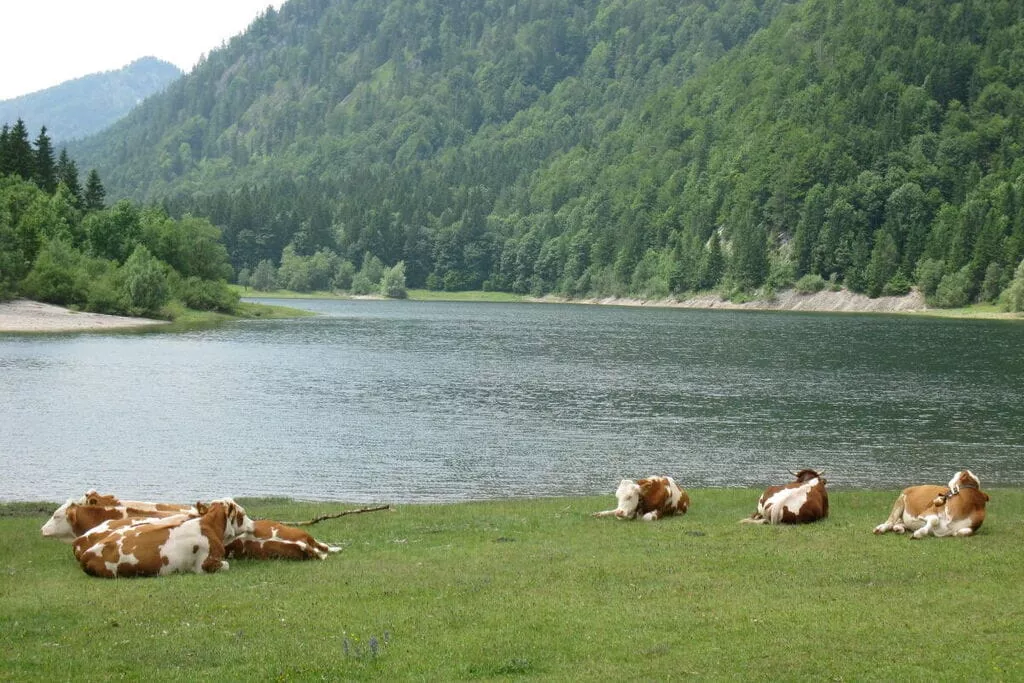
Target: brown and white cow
{"points": [[649, 499], [800, 501], [75, 517], [271, 540], [957, 509], [163, 546], [93, 497]]}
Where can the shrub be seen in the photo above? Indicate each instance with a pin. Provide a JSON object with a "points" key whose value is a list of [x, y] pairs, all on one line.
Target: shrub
{"points": [[392, 283], [810, 284], [1013, 297], [897, 286], [144, 282], [954, 290], [59, 275], [928, 275], [361, 284], [206, 295]]}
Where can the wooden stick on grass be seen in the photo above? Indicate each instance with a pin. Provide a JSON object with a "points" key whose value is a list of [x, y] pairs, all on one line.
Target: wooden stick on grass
{"points": [[334, 515]]}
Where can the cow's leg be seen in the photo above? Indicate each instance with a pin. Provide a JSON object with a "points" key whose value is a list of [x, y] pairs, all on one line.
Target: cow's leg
{"points": [[605, 513], [930, 524], [968, 531], [895, 521], [652, 516]]}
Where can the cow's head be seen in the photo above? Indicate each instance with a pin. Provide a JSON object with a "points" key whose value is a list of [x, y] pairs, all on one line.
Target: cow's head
{"points": [[94, 497], [59, 524], [236, 522], [807, 475], [964, 479]]}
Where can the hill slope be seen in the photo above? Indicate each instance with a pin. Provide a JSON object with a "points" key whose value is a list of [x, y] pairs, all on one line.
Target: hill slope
{"points": [[606, 146], [87, 105]]}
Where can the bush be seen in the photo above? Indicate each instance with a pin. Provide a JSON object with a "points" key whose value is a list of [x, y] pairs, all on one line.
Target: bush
{"points": [[59, 275], [929, 274], [897, 286], [810, 284], [1013, 297], [264, 277], [361, 284], [392, 283], [144, 282], [206, 295], [954, 290]]}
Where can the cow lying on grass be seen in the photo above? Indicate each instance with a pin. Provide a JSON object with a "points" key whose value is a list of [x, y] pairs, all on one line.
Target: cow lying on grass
{"points": [[159, 546], [800, 501], [957, 509], [85, 515], [649, 499], [75, 517], [272, 540]]}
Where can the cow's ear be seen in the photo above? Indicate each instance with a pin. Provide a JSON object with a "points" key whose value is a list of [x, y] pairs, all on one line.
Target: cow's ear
{"points": [[72, 514], [201, 507]]}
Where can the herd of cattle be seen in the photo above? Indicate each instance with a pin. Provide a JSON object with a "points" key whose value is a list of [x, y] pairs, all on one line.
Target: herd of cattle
{"points": [[957, 509], [115, 538]]}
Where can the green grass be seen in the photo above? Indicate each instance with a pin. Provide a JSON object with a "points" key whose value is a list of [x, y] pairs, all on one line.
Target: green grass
{"points": [[538, 589]]}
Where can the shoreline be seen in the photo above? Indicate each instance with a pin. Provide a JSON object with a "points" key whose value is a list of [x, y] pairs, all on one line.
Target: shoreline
{"points": [[25, 315]]}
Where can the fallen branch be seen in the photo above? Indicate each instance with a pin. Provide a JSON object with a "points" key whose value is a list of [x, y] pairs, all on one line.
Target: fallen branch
{"points": [[335, 515]]}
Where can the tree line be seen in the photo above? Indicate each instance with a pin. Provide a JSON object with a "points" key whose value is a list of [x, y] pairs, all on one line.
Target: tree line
{"points": [[632, 147], [60, 243]]}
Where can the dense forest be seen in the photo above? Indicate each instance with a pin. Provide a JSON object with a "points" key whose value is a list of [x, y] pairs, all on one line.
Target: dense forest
{"points": [[60, 243], [87, 105], [639, 147]]}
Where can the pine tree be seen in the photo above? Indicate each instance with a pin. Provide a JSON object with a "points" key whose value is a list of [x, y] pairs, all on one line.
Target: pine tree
{"points": [[94, 192], [18, 152], [67, 173], [45, 168]]}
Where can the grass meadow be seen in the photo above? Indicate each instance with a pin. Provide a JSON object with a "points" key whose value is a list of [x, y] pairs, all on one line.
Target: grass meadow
{"points": [[538, 589]]}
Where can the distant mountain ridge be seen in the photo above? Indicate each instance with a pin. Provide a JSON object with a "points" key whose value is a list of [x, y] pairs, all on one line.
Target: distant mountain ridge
{"points": [[83, 106], [645, 148]]}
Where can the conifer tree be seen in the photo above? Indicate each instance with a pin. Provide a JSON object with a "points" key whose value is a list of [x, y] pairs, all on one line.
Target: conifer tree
{"points": [[18, 152], [67, 173], [94, 192], [44, 166]]}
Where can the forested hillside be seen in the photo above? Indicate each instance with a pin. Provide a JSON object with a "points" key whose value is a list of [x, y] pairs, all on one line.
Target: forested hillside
{"points": [[640, 147], [87, 105]]}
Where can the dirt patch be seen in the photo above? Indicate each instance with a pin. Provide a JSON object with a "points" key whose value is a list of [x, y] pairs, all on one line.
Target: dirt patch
{"points": [[22, 315], [790, 300]]}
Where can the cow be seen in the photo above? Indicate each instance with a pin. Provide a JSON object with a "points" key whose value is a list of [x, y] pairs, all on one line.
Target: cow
{"points": [[75, 517], [957, 509], [272, 540], [163, 546], [798, 502], [92, 497], [649, 499]]}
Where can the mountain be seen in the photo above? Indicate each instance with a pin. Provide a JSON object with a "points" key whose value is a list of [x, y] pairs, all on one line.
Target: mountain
{"points": [[87, 105], [642, 147]]}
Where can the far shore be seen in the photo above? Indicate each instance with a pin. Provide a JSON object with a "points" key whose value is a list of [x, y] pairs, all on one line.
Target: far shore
{"points": [[23, 315], [826, 301]]}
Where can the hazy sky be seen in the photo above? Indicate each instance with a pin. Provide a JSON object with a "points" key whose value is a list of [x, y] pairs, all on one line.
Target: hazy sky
{"points": [[47, 42]]}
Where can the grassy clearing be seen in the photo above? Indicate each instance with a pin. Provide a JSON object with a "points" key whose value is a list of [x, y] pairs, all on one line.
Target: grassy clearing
{"points": [[538, 589]]}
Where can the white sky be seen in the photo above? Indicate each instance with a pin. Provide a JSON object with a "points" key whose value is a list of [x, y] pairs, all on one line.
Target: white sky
{"points": [[87, 36]]}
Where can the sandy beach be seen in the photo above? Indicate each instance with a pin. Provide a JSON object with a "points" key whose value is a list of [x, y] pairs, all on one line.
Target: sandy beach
{"points": [[22, 315]]}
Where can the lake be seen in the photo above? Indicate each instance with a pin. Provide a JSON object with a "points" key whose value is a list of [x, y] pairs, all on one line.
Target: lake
{"points": [[398, 401]]}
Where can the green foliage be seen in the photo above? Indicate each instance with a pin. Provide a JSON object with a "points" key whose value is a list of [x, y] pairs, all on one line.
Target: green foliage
{"points": [[205, 295], [928, 275], [954, 290], [1013, 297], [392, 283], [58, 275], [144, 282], [601, 147], [264, 276], [810, 284]]}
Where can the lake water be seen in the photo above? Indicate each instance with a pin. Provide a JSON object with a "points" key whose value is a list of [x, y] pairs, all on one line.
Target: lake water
{"points": [[392, 401]]}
